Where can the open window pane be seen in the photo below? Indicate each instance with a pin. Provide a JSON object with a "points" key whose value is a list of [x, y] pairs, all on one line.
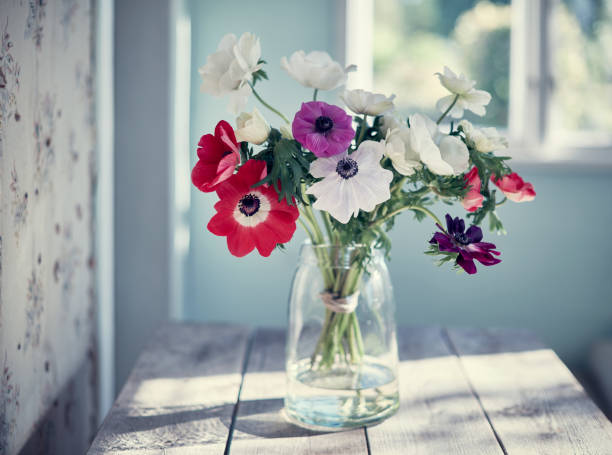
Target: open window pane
{"points": [[581, 63], [413, 39]]}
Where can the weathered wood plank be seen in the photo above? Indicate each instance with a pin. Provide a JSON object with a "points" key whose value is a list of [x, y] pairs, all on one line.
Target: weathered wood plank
{"points": [[260, 427], [438, 413], [181, 394], [532, 400]]}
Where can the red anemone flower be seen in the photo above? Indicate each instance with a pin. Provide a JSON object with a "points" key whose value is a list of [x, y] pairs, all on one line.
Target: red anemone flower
{"points": [[252, 217], [218, 156], [515, 188]]}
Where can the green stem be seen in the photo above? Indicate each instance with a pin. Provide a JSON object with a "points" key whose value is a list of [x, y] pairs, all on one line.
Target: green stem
{"points": [[314, 95], [503, 201], [398, 186], [267, 105], [306, 229], [328, 226], [401, 209], [364, 127], [445, 113], [310, 216], [358, 337], [322, 336], [352, 344]]}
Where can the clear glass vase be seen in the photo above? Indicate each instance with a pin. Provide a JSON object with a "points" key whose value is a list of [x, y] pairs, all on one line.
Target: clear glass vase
{"points": [[341, 344]]}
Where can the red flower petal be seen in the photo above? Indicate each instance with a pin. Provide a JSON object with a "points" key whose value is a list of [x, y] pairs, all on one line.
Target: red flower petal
{"points": [[241, 242], [265, 238], [218, 156], [225, 133], [514, 188], [472, 201], [277, 227], [221, 225], [209, 147]]}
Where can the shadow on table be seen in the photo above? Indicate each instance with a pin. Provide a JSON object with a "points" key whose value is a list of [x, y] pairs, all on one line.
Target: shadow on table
{"points": [[264, 418]]}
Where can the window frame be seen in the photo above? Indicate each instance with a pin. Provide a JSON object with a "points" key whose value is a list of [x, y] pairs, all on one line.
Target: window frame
{"points": [[531, 82]]}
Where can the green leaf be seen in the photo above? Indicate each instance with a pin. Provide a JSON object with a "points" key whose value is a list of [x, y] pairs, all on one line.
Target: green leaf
{"points": [[288, 167]]}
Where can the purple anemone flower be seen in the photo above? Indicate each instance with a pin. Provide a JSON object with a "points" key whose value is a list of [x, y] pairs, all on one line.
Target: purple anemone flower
{"points": [[322, 128], [467, 243]]}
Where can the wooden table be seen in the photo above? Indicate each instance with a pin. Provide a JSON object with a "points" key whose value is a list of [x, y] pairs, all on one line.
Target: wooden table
{"points": [[200, 389]]}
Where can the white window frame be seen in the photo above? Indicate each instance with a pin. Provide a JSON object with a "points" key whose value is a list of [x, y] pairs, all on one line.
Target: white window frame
{"points": [[531, 82]]}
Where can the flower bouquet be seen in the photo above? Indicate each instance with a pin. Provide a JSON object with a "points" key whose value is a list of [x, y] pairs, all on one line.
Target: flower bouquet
{"points": [[344, 178]]}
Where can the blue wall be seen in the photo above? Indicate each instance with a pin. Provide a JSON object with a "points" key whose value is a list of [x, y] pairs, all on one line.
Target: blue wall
{"points": [[554, 276]]}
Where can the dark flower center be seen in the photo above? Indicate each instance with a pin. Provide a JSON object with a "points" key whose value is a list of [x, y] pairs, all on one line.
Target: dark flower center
{"points": [[323, 124], [347, 168], [462, 238], [249, 205]]}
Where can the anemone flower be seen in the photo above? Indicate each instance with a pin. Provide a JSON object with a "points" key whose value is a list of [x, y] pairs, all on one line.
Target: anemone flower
{"points": [[467, 243], [323, 128], [252, 217], [316, 70], [363, 102], [461, 88], [218, 156], [515, 188], [351, 182]]}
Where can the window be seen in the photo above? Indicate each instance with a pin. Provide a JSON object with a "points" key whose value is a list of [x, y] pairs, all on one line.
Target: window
{"points": [[413, 39], [547, 63], [581, 68]]}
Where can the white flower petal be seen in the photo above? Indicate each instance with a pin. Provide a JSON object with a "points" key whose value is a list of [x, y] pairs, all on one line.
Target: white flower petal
{"points": [[363, 102], [369, 153], [315, 70], [238, 99], [227, 42], [454, 152], [390, 121], [483, 140], [444, 103], [344, 197], [399, 150], [227, 70], [422, 142], [324, 167], [480, 97], [453, 83], [252, 127]]}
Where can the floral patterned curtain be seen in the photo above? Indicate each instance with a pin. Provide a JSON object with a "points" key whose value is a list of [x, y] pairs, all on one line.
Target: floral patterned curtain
{"points": [[47, 182]]}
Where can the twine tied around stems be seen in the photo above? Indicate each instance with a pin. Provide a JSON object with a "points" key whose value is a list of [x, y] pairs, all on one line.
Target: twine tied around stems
{"points": [[340, 304]]}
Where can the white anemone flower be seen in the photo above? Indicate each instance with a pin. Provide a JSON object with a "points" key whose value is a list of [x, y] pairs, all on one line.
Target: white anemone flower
{"points": [[368, 103], [468, 98], [399, 149], [252, 127], [228, 71], [423, 143], [455, 153], [452, 150], [483, 140], [351, 182], [316, 70]]}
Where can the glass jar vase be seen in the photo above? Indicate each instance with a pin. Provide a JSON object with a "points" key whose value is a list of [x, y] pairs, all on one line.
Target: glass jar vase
{"points": [[341, 340]]}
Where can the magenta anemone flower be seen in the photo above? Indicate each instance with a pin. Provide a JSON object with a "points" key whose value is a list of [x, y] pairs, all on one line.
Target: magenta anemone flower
{"points": [[322, 128], [467, 243]]}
